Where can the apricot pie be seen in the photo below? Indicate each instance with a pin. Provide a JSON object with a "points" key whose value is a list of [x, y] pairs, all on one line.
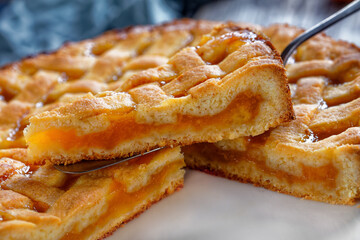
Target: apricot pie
{"points": [[317, 156], [231, 84]]}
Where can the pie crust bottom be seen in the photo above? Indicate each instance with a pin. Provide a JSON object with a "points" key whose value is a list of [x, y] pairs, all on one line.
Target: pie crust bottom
{"points": [[326, 183]]}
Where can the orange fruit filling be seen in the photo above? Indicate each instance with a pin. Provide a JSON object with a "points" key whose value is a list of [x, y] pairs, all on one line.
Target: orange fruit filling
{"points": [[244, 108]]}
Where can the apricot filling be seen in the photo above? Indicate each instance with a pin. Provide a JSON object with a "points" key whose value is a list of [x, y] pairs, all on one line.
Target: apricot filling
{"points": [[243, 109]]}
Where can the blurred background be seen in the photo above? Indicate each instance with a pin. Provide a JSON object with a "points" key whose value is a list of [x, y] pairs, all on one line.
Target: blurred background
{"points": [[28, 27]]}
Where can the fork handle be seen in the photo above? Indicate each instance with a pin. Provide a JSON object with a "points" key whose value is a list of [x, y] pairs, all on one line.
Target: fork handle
{"points": [[329, 21]]}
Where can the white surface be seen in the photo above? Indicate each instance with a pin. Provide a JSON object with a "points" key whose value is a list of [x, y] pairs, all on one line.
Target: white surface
{"points": [[212, 208]]}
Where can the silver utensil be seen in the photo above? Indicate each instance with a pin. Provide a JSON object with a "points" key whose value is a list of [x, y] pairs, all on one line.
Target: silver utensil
{"points": [[89, 166], [324, 24]]}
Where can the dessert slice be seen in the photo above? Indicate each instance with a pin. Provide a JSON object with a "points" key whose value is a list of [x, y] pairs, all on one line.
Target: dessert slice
{"points": [[232, 84], [317, 156], [39, 202]]}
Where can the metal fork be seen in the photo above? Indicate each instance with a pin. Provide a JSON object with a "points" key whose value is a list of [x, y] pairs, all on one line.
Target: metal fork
{"points": [[324, 24], [89, 166]]}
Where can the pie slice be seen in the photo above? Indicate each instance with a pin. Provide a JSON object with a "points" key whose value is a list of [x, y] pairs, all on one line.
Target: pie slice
{"points": [[232, 84], [39, 202], [317, 156]]}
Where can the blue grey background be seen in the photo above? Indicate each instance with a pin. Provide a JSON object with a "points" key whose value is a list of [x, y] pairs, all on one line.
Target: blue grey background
{"points": [[28, 27], [31, 26]]}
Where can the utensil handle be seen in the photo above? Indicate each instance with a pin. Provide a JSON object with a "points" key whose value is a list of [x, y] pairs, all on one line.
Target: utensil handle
{"points": [[329, 21]]}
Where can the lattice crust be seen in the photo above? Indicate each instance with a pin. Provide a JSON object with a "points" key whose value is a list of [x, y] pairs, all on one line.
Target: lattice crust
{"points": [[39, 202], [317, 155], [230, 85], [48, 81]]}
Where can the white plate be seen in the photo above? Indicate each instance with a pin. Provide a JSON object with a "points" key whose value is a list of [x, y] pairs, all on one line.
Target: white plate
{"points": [[210, 208]]}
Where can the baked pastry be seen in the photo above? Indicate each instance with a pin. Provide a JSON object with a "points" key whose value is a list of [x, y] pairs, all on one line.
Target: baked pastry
{"points": [[39, 202], [231, 84], [29, 87], [315, 156]]}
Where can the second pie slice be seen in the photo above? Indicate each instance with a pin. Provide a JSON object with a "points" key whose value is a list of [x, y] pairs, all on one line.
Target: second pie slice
{"points": [[233, 84]]}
